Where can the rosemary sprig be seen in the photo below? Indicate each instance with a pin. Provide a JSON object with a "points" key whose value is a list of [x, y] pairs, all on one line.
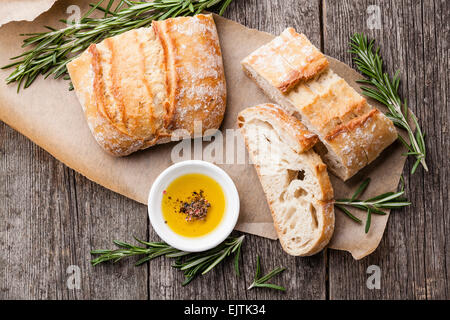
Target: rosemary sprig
{"points": [[193, 264], [54, 49], [262, 281], [151, 251], [388, 200], [202, 263], [385, 90]]}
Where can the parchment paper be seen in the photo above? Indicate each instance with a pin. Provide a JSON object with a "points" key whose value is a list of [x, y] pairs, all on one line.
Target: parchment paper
{"points": [[51, 116], [18, 10]]}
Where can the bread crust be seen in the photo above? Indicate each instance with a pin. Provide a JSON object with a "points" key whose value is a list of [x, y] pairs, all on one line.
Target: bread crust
{"points": [[373, 132], [293, 59], [304, 138], [106, 134], [353, 132], [292, 128], [199, 92], [139, 87]]}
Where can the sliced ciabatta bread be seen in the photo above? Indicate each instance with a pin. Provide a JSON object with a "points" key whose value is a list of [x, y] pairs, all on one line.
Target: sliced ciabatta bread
{"points": [[295, 74], [293, 176]]}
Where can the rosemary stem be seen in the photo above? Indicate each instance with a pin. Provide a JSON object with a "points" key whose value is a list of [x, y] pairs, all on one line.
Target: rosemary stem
{"points": [[412, 138], [374, 205], [384, 89], [346, 203]]}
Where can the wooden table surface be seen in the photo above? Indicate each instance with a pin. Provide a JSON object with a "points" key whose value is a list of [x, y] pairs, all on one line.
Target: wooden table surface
{"points": [[51, 216]]}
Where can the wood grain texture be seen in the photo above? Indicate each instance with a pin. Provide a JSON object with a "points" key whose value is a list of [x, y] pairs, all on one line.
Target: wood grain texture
{"points": [[51, 217], [413, 255]]}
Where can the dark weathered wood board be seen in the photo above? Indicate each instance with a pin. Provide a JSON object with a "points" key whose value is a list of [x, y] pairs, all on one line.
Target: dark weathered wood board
{"points": [[51, 217], [413, 256]]}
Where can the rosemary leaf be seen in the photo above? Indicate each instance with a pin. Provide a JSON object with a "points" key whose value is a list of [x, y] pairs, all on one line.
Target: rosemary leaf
{"points": [[389, 197], [271, 286], [361, 188], [368, 220], [385, 90], [236, 259], [388, 200], [262, 281], [380, 196], [377, 211], [348, 213], [192, 264]]}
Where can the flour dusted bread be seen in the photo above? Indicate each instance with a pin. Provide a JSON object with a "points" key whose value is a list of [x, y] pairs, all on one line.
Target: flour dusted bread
{"points": [[293, 176], [287, 60], [139, 87], [352, 133]]}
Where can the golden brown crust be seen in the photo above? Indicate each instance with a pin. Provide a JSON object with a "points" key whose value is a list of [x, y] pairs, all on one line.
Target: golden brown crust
{"points": [[308, 64], [352, 132], [200, 89], [292, 78], [350, 126], [89, 93], [324, 181], [365, 136], [145, 83], [171, 78], [360, 121], [380, 128], [292, 59], [305, 139], [374, 132], [337, 106]]}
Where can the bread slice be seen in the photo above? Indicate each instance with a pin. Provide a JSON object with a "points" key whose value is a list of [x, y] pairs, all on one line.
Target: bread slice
{"points": [[293, 177], [352, 133]]}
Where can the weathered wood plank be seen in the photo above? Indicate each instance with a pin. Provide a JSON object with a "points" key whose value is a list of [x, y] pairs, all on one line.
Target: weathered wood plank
{"points": [[51, 219], [433, 106], [103, 216], [305, 277], [30, 202], [413, 254]]}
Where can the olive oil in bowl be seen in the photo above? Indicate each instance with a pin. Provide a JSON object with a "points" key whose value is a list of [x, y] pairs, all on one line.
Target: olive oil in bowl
{"points": [[193, 205]]}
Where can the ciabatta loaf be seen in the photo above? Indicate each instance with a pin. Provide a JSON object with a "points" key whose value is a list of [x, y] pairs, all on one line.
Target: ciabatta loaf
{"points": [[292, 175], [295, 74], [138, 87]]}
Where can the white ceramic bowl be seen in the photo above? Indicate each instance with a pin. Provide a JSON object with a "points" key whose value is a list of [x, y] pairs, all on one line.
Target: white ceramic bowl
{"points": [[211, 239]]}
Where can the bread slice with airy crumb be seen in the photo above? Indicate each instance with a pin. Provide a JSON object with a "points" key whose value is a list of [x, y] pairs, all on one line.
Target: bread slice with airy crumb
{"points": [[293, 177]]}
